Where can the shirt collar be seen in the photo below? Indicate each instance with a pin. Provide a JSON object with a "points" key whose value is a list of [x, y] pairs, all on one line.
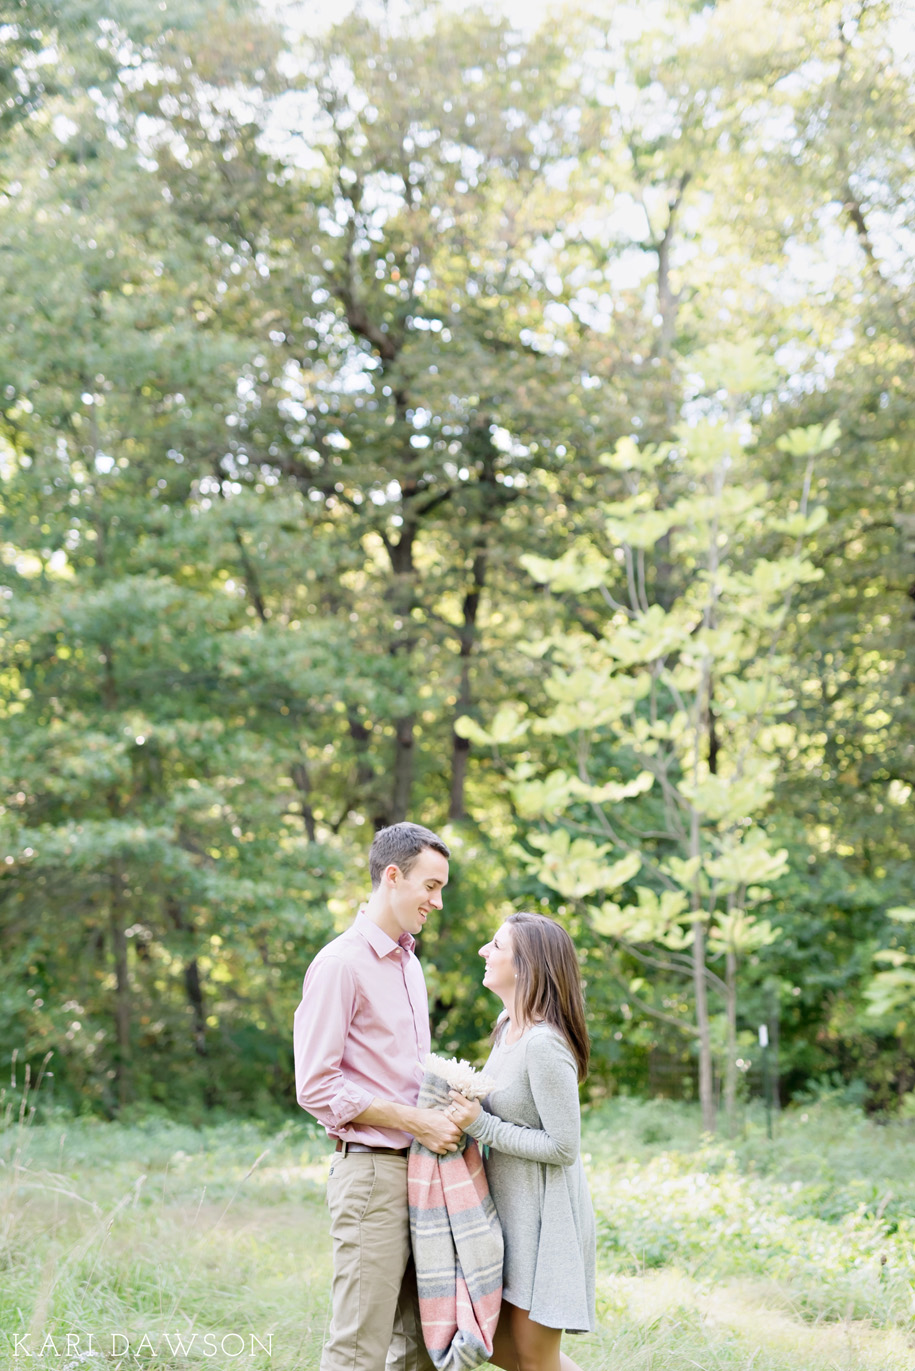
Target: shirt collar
{"points": [[379, 941]]}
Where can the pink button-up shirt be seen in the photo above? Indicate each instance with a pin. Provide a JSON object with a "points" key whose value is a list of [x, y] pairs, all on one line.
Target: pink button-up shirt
{"points": [[361, 1031]]}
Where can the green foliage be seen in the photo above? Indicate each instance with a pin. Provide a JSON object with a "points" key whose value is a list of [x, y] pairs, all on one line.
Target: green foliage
{"points": [[418, 402], [711, 1209], [684, 661], [761, 1253]]}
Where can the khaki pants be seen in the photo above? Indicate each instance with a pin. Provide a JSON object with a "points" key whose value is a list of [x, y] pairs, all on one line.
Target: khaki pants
{"points": [[375, 1313]]}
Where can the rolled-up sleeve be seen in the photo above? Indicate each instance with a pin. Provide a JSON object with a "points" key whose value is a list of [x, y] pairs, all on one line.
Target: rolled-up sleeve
{"points": [[322, 1021]]}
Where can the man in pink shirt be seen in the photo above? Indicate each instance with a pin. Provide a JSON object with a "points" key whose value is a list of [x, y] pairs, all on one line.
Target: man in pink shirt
{"points": [[361, 1036]]}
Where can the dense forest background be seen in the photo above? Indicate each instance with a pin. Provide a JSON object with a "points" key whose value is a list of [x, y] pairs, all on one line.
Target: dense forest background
{"points": [[509, 429]]}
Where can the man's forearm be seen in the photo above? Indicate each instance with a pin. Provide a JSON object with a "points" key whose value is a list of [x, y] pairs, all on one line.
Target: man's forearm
{"points": [[432, 1127], [389, 1114]]}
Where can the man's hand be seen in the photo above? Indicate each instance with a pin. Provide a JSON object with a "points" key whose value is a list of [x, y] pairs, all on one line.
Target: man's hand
{"points": [[436, 1130]]}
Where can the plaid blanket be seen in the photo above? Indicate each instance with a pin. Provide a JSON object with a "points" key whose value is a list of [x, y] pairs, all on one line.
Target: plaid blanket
{"points": [[457, 1243]]}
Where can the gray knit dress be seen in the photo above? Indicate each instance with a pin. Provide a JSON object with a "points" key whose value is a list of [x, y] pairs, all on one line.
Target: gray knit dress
{"points": [[531, 1124]]}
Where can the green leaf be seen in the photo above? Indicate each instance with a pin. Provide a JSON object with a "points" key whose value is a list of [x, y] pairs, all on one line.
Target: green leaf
{"points": [[577, 570], [547, 797], [741, 932], [651, 919], [729, 799], [746, 861], [465, 727], [509, 724], [578, 867], [628, 455], [892, 992], [612, 792], [802, 442]]}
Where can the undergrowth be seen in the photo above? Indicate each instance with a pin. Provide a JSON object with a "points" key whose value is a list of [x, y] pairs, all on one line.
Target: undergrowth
{"points": [[770, 1255]]}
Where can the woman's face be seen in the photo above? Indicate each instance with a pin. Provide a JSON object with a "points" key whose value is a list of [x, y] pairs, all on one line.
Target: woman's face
{"points": [[499, 976]]}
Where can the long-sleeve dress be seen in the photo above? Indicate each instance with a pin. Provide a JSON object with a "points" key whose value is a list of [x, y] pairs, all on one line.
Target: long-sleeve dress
{"points": [[531, 1124]]}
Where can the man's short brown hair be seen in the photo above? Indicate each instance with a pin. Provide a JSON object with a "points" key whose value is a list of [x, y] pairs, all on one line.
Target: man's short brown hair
{"points": [[400, 845]]}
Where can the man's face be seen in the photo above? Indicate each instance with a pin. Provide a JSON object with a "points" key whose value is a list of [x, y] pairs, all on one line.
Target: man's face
{"points": [[413, 896]]}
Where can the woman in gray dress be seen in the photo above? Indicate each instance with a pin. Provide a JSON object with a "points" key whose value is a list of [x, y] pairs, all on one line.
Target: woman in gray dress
{"points": [[530, 1124]]}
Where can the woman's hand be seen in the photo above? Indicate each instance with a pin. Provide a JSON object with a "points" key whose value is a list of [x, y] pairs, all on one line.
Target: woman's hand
{"points": [[462, 1110]]}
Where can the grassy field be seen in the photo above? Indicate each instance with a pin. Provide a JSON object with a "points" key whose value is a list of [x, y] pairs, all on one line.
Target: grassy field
{"points": [[792, 1255]]}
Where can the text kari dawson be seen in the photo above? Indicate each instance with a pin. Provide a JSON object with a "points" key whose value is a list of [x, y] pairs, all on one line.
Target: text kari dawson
{"points": [[78, 1347]]}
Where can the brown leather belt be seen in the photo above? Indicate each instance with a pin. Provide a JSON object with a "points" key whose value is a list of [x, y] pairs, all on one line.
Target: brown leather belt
{"points": [[364, 1147]]}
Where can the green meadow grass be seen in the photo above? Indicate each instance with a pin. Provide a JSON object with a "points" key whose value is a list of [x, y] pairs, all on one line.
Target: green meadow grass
{"points": [[792, 1255]]}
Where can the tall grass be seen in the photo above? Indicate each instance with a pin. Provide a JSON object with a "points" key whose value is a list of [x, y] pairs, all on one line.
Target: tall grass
{"points": [[792, 1255]]}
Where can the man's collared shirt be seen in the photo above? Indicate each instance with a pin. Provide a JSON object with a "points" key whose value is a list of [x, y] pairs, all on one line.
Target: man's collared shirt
{"points": [[361, 1031]]}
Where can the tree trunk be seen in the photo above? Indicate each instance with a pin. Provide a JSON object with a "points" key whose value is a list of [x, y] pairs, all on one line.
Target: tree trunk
{"points": [[302, 782], [668, 299], [714, 743], [460, 747], [366, 792], [194, 989], [774, 1023], [700, 985], [193, 985], [403, 599], [703, 1027], [249, 570], [460, 755], [704, 727], [730, 1079], [121, 992], [116, 925], [403, 768], [700, 988]]}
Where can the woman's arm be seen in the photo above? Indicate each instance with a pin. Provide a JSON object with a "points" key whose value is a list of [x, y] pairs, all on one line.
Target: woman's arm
{"points": [[554, 1085]]}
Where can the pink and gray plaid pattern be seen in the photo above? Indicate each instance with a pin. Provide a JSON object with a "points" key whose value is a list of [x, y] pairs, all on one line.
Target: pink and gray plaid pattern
{"points": [[457, 1247]]}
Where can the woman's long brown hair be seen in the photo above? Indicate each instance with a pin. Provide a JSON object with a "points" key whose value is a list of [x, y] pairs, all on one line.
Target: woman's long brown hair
{"points": [[549, 981]]}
